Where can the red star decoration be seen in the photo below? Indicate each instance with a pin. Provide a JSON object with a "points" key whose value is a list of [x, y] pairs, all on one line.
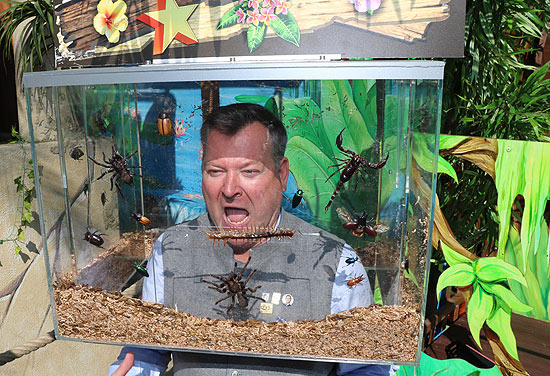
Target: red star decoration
{"points": [[169, 24]]}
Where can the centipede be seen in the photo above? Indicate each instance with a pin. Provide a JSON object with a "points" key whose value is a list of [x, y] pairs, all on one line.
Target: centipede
{"points": [[247, 233]]}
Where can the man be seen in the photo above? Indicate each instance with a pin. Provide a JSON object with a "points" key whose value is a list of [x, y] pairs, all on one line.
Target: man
{"points": [[244, 174]]}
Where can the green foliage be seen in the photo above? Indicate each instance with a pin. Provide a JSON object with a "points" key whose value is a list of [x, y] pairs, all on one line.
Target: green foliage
{"points": [[494, 91], [447, 367], [284, 25], [25, 189], [492, 300], [36, 40], [523, 181]]}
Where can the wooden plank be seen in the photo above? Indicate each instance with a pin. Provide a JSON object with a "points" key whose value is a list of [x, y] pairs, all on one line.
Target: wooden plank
{"points": [[406, 20], [532, 335]]}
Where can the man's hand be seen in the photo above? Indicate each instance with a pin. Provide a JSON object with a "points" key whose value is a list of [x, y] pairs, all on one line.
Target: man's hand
{"points": [[125, 366]]}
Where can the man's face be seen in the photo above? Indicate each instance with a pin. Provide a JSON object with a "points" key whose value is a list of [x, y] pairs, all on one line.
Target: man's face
{"points": [[240, 183]]}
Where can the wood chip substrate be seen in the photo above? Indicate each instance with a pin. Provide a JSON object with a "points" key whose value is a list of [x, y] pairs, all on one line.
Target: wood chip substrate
{"points": [[374, 333]]}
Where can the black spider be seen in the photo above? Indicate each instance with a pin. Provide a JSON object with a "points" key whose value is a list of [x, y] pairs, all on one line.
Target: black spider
{"points": [[117, 166], [233, 286]]}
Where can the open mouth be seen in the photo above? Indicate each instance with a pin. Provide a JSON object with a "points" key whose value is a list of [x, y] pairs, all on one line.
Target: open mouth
{"points": [[236, 216]]}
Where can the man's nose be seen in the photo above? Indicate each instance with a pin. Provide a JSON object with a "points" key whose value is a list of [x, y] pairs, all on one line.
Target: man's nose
{"points": [[231, 188]]}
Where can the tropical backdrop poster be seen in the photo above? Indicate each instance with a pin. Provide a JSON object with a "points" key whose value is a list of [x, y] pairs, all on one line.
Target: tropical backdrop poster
{"points": [[107, 32]]}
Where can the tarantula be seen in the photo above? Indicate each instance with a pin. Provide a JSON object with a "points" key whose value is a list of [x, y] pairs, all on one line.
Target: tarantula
{"points": [[233, 286], [117, 166]]}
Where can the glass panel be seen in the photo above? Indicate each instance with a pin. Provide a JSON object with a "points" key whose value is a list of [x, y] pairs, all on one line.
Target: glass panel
{"points": [[361, 159]]}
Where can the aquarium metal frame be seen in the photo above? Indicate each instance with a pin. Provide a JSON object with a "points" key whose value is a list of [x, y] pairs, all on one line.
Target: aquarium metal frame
{"points": [[156, 73]]}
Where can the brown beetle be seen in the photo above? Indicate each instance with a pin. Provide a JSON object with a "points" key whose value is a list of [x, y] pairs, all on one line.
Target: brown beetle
{"points": [[355, 281], [141, 219], [164, 123]]}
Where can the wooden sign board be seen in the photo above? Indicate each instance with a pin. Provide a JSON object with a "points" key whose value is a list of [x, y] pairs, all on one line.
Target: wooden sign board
{"points": [[120, 32]]}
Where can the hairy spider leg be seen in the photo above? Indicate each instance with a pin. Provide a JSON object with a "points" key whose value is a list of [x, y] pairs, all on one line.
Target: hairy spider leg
{"points": [[130, 156], [231, 305], [249, 276], [108, 161], [115, 178], [227, 297], [105, 173], [242, 270], [98, 163]]}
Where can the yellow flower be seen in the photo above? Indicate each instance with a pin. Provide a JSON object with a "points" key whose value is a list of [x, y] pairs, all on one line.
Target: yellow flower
{"points": [[110, 19]]}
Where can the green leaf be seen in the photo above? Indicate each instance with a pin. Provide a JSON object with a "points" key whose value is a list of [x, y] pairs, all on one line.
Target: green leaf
{"points": [[499, 322], [251, 98], [255, 36], [534, 297], [26, 217], [479, 308], [506, 296], [447, 141], [492, 269], [444, 167], [17, 250], [20, 235], [452, 257], [513, 257], [457, 275], [27, 205], [308, 165], [230, 17], [285, 26], [364, 96]]}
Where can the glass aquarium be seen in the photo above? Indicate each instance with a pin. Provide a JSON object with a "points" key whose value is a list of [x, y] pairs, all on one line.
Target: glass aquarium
{"points": [[132, 258]]}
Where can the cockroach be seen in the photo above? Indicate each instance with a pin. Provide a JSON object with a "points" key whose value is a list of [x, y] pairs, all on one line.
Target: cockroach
{"points": [[164, 123], [353, 165], [297, 198], [103, 198], [76, 153], [249, 233], [141, 270], [355, 281], [141, 219], [94, 238]]}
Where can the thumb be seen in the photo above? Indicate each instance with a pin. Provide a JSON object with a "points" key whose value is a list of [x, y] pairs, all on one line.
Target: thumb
{"points": [[125, 366]]}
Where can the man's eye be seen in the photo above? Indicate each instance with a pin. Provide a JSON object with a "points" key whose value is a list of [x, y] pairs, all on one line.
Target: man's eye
{"points": [[251, 172], [214, 172]]}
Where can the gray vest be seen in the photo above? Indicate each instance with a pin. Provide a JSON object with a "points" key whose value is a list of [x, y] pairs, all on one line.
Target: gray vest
{"points": [[303, 267]]}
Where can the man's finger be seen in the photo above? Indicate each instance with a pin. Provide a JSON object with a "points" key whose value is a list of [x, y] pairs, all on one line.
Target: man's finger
{"points": [[125, 366]]}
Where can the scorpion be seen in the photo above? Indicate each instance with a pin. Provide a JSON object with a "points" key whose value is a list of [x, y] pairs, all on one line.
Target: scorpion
{"points": [[355, 164], [117, 166], [234, 287]]}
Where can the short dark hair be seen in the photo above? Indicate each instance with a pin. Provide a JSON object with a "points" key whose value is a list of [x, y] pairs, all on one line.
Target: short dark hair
{"points": [[230, 119]]}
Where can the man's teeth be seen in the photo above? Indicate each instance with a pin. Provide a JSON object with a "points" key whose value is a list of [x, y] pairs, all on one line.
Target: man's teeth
{"points": [[238, 222]]}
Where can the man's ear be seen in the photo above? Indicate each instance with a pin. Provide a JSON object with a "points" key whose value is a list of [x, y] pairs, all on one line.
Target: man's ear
{"points": [[283, 172]]}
